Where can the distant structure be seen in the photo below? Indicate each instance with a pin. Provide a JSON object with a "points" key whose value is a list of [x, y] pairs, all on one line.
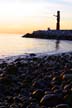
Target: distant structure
{"points": [[48, 28], [58, 20]]}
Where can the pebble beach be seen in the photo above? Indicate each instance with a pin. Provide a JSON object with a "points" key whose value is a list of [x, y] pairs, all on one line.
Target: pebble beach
{"points": [[32, 81]]}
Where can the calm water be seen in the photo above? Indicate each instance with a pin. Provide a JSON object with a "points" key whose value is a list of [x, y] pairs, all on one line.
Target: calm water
{"points": [[14, 45]]}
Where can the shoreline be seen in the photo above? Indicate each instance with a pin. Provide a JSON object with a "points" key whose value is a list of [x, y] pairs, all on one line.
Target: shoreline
{"points": [[31, 55], [36, 81]]}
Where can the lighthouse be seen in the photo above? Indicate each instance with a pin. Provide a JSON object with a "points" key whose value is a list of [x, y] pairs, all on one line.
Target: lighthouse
{"points": [[58, 21]]}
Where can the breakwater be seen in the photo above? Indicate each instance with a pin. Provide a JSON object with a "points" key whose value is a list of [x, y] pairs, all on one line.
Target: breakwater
{"points": [[51, 34]]}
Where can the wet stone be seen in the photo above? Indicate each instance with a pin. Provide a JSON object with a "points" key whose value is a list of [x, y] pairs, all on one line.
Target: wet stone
{"points": [[2, 106], [32, 54], [43, 107], [68, 99], [38, 94], [62, 106], [33, 105], [39, 84], [36, 82], [51, 100]]}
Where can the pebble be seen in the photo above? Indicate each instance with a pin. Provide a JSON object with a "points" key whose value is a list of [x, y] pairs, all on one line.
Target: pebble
{"points": [[38, 94], [51, 100], [62, 106], [37, 82]]}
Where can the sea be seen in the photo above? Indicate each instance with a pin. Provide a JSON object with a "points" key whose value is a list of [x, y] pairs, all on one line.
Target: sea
{"points": [[14, 44]]}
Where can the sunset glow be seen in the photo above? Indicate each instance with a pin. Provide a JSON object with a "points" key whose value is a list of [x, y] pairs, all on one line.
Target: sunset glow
{"points": [[22, 16]]}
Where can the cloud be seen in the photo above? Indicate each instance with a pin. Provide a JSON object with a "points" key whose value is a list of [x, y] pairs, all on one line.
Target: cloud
{"points": [[32, 1], [69, 1]]}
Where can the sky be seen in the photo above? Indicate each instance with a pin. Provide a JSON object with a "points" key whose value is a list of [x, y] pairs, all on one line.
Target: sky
{"points": [[22, 16]]}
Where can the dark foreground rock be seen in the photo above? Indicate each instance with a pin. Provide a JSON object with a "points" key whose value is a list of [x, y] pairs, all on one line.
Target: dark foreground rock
{"points": [[51, 100], [36, 82]]}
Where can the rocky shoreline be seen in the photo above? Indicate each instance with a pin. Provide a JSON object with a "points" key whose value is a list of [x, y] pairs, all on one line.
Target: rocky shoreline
{"points": [[36, 81]]}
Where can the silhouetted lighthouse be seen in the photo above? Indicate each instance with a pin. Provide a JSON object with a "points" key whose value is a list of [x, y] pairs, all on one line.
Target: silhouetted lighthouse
{"points": [[58, 21]]}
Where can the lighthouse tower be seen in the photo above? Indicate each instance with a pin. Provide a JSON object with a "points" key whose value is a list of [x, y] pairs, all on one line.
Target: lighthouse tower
{"points": [[58, 21]]}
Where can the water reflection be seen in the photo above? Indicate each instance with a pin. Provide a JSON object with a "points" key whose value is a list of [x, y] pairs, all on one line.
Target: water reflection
{"points": [[57, 44], [14, 45]]}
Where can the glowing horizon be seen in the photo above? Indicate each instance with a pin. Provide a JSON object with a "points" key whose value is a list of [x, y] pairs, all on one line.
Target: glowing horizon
{"points": [[22, 16]]}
